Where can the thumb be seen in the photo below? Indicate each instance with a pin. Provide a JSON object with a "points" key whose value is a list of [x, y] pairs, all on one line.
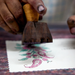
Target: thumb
{"points": [[37, 4], [71, 24]]}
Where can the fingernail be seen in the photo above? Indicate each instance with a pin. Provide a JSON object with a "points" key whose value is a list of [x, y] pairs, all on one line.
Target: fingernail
{"points": [[73, 30], [41, 8]]}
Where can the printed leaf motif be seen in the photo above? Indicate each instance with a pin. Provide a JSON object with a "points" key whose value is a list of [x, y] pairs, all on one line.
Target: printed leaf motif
{"points": [[37, 45], [28, 53], [34, 51], [23, 54], [30, 50], [23, 59], [18, 47], [28, 56], [18, 44], [23, 50], [35, 55]]}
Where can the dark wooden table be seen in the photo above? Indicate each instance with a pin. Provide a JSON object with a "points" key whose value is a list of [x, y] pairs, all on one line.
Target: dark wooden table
{"points": [[4, 69]]}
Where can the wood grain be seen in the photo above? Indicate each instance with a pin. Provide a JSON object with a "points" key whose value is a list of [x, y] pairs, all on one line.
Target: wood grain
{"points": [[36, 32]]}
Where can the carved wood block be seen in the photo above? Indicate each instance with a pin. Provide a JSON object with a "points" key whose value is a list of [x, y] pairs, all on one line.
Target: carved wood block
{"points": [[36, 32]]}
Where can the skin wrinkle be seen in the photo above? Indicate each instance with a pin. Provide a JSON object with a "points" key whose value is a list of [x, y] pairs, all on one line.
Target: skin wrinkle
{"points": [[17, 12], [3, 24], [8, 18], [20, 17], [8, 8]]}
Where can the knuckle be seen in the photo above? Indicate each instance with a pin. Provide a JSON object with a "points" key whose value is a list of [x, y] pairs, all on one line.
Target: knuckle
{"points": [[9, 19], [19, 15], [32, 1], [20, 18], [2, 24]]}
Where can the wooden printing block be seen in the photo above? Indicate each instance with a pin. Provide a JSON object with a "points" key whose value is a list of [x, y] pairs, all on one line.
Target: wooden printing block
{"points": [[71, 22], [36, 32]]}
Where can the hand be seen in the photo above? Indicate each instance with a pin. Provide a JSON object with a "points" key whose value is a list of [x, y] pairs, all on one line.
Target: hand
{"points": [[37, 4], [71, 24], [12, 18]]}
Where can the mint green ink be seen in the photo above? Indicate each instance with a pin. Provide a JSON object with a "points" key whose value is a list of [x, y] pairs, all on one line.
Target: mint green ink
{"points": [[34, 57], [18, 44], [37, 45], [45, 48], [24, 50], [23, 59], [23, 54], [18, 47]]}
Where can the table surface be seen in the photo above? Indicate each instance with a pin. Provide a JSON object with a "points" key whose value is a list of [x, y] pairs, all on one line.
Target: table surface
{"points": [[4, 69]]}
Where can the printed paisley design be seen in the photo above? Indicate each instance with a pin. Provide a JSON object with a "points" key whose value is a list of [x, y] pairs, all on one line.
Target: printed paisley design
{"points": [[35, 63]]}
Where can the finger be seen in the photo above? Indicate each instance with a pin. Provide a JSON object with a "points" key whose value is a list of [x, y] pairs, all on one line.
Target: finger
{"points": [[4, 26], [73, 30], [8, 18], [71, 24], [38, 5], [23, 2], [15, 8]]}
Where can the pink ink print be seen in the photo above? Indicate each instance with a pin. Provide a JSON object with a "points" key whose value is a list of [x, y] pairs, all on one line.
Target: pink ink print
{"points": [[28, 56], [24, 47], [36, 49], [43, 54], [28, 53], [35, 63], [34, 55], [43, 50], [44, 59]]}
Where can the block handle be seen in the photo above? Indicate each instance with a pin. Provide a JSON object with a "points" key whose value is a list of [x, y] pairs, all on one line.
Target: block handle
{"points": [[31, 13]]}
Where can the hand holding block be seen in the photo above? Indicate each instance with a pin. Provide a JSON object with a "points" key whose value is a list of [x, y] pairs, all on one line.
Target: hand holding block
{"points": [[34, 32]]}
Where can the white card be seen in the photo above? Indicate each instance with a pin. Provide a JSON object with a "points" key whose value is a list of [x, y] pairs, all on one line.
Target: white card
{"points": [[50, 56]]}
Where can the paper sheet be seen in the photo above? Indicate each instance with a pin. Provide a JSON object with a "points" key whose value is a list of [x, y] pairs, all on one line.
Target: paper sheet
{"points": [[57, 55]]}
